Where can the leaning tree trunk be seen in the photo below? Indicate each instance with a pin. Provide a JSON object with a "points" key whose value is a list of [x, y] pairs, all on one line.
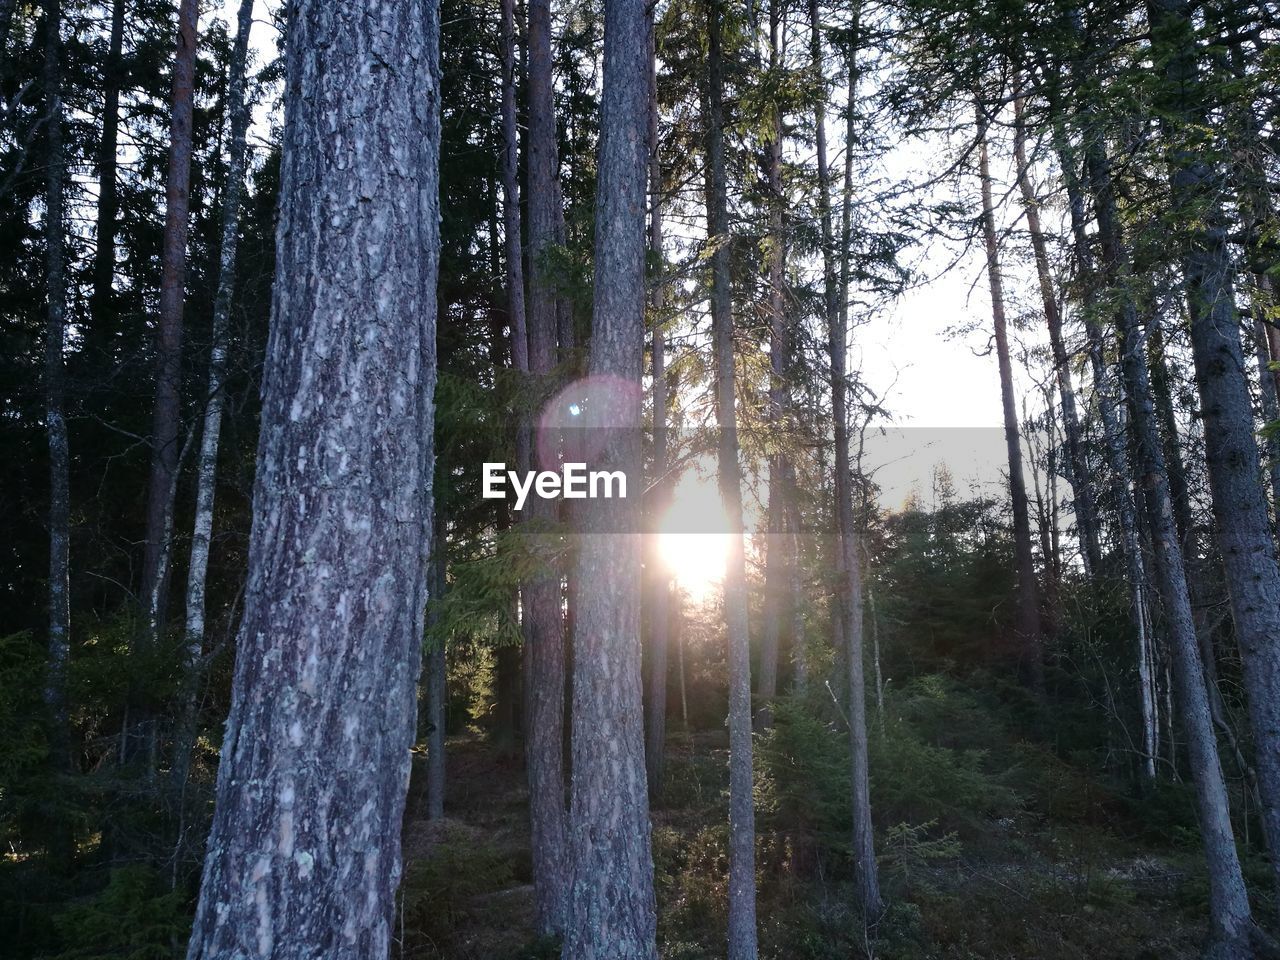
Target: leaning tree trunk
{"points": [[59, 650], [166, 416], [611, 913], [742, 819], [304, 855], [1117, 456], [544, 636], [1244, 532], [207, 468], [660, 578], [1028, 619], [1229, 913], [1081, 488]]}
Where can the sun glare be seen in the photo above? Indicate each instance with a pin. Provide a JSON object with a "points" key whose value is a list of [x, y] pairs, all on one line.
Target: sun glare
{"points": [[693, 537]]}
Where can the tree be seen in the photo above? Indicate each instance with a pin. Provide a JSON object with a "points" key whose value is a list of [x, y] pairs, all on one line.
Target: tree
{"points": [[544, 637], [611, 913], [322, 717], [1028, 620], [742, 831]]}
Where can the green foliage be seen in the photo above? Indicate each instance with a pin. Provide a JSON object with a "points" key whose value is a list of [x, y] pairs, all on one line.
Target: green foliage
{"points": [[135, 917]]}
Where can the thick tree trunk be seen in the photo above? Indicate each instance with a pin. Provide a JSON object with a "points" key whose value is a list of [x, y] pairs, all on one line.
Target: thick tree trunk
{"points": [[1028, 618], [659, 579], [59, 649], [1244, 532], [166, 417], [611, 912], [544, 635], [104, 255], [207, 469], [742, 825], [1230, 920], [1082, 490], [304, 855]]}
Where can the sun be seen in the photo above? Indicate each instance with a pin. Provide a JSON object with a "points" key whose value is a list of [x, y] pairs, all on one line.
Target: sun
{"points": [[693, 537]]}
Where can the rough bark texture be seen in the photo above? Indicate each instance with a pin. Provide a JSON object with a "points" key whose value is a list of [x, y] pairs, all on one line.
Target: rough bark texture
{"points": [[434, 686], [104, 254], [1081, 489], [59, 648], [1230, 919], [742, 818], [611, 912], [173, 268], [1244, 532], [304, 855], [1028, 618], [660, 579], [544, 633]]}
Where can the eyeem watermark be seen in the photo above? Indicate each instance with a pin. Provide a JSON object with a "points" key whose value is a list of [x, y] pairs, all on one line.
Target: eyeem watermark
{"points": [[573, 482]]}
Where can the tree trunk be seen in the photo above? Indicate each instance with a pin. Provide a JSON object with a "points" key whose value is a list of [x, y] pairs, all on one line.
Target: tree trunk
{"points": [[173, 267], [104, 255], [611, 912], [435, 690], [660, 578], [59, 650], [742, 827], [544, 636], [1244, 532], [1081, 489], [238, 107], [318, 741], [1028, 619], [1230, 919]]}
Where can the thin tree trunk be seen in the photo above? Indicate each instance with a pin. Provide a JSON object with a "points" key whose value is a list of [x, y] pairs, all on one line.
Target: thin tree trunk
{"points": [[1028, 619], [1117, 462], [435, 680], [166, 418], [59, 649], [778, 543], [545, 640], [1081, 489], [1244, 532], [104, 255], [611, 913], [742, 935], [1230, 918], [207, 471], [323, 712], [659, 579]]}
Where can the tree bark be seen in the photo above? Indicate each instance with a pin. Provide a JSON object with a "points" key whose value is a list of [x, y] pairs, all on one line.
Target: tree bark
{"points": [[742, 831], [1244, 532], [1082, 490], [1229, 913], [207, 470], [304, 855], [611, 912], [659, 579], [59, 647], [167, 413], [435, 686], [544, 637], [1028, 619]]}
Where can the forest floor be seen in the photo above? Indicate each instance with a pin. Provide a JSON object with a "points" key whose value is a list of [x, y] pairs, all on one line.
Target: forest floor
{"points": [[1057, 866]]}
